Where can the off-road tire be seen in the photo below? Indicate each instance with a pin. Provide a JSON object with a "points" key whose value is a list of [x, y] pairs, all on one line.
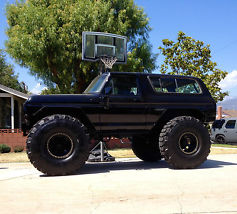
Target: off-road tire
{"points": [[58, 145], [184, 142], [147, 149]]}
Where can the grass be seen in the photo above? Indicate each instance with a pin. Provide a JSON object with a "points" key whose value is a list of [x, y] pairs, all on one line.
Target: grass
{"points": [[13, 157], [220, 151], [224, 145], [22, 156], [117, 153], [122, 153]]}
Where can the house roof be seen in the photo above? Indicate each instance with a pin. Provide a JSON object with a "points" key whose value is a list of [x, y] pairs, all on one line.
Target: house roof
{"points": [[230, 113], [14, 92]]}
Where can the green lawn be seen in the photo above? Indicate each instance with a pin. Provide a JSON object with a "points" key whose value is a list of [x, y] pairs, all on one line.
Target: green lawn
{"points": [[224, 145], [117, 153]]}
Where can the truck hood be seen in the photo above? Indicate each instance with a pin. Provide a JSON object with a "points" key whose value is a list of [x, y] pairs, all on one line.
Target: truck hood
{"points": [[62, 98]]}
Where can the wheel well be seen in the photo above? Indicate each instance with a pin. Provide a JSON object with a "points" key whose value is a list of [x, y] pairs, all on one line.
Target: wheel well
{"points": [[217, 135], [76, 113], [170, 114]]}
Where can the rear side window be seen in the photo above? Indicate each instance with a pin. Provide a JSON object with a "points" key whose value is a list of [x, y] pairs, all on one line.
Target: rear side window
{"points": [[156, 84], [188, 86], [168, 85], [230, 124], [175, 85]]}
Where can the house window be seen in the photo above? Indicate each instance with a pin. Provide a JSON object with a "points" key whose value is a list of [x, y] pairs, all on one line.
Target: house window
{"points": [[5, 113]]}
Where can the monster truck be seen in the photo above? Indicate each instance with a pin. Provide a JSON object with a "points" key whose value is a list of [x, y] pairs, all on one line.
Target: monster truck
{"points": [[163, 115]]}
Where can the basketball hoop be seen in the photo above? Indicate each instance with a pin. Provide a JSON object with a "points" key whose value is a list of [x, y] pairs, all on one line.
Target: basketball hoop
{"points": [[108, 61]]}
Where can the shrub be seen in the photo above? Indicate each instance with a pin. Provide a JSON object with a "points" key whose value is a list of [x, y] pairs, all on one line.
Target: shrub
{"points": [[4, 148], [18, 148]]}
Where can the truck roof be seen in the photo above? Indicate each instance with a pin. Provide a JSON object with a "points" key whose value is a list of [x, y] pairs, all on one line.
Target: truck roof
{"points": [[150, 74]]}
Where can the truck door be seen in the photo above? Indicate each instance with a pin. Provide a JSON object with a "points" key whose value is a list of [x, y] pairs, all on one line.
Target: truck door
{"points": [[123, 108], [230, 131]]}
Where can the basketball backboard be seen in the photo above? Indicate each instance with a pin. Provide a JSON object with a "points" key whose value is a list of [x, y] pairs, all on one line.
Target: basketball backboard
{"points": [[97, 44]]}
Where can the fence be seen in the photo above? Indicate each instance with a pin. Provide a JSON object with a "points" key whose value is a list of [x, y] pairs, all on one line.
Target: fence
{"points": [[14, 137]]}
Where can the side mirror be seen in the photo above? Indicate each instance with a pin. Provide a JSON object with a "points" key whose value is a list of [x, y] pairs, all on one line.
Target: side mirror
{"points": [[108, 90]]}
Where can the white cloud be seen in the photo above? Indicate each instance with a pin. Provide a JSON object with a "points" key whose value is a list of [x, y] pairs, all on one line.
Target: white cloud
{"points": [[228, 98], [37, 89], [230, 81]]}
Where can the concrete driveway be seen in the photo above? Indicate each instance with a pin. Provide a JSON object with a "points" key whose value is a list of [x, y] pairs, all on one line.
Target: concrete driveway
{"points": [[125, 186]]}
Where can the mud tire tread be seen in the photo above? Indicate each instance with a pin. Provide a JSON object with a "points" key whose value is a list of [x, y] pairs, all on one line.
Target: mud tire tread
{"points": [[33, 141], [169, 150]]}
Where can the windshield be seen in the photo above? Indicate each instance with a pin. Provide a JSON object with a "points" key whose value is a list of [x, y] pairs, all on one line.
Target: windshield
{"points": [[218, 124], [96, 85]]}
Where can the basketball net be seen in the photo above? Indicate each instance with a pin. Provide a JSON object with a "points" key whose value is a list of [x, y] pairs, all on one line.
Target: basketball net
{"points": [[108, 61]]}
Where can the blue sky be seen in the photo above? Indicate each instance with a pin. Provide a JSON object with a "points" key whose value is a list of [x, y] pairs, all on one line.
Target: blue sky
{"points": [[212, 21]]}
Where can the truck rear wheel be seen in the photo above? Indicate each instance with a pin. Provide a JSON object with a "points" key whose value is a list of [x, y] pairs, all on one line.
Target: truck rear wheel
{"points": [[58, 145], [184, 142], [146, 149]]}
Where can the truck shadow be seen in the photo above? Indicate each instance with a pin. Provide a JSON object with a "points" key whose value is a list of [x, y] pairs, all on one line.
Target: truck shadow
{"points": [[215, 164], [92, 168]]}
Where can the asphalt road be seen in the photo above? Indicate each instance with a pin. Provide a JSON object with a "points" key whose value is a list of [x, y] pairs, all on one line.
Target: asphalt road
{"points": [[124, 186]]}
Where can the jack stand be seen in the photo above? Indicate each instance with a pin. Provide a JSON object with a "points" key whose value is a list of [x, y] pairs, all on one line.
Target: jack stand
{"points": [[100, 154], [101, 151]]}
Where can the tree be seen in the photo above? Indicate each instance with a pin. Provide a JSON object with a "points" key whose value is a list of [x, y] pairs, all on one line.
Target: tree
{"points": [[8, 77], [45, 36], [188, 56]]}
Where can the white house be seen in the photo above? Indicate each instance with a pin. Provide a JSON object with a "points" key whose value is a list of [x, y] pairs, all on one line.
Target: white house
{"points": [[11, 103]]}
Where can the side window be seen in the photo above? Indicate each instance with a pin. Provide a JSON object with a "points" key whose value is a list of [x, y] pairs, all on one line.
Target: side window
{"points": [[230, 124], [123, 85], [188, 86], [185, 86], [168, 85], [163, 84], [156, 84]]}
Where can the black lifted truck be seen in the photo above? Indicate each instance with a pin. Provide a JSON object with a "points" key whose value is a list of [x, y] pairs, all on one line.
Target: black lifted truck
{"points": [[163, 115]]}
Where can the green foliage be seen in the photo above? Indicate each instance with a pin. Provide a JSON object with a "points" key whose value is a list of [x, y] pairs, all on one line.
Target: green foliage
{"points": [[18, 149], [139, 59], [8, 77], [188, 56], [45, 36], [4, 148]]}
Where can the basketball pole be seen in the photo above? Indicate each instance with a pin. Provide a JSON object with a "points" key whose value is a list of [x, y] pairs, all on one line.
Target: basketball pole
{"points": [[101, 67], [99, 47]]}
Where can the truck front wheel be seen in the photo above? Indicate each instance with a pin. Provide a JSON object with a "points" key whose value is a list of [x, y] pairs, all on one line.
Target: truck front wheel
{"points": [[57, 145], [184, 142], [145, 148]]}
